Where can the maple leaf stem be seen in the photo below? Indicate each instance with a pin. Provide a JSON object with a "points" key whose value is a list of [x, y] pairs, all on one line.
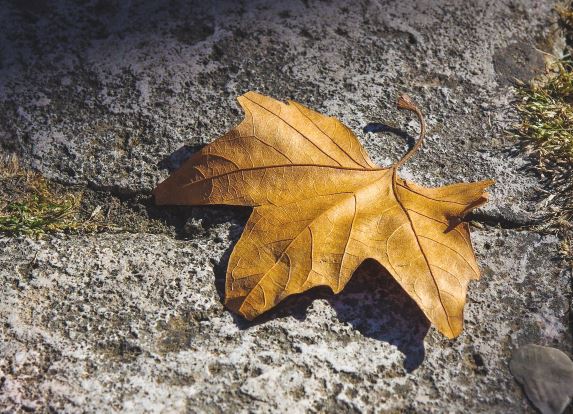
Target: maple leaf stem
{"points": [[405, 102]]}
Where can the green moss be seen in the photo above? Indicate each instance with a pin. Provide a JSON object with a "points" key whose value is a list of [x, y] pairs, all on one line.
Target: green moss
{"points": [[30, 204]]}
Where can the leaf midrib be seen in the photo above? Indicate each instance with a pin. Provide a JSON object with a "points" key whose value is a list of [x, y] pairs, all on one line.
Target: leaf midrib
{"points": [[397, 197], [336, 167]]}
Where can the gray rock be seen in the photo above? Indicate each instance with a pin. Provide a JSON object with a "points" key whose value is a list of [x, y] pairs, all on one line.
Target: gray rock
{"points": [[100, 93], [546, 375], [135, 323]]}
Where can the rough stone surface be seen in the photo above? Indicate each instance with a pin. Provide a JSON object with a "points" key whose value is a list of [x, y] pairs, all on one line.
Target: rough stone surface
{"points": [[547, 376], [135, 323], [100, 93], [108, 95]]}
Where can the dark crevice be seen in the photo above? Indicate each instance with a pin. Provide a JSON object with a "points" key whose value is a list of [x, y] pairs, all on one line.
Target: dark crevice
{"points": [[497, 220], [117, 191]]}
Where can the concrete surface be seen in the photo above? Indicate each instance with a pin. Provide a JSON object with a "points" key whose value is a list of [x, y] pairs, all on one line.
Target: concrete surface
{"points": [[135, 323]]}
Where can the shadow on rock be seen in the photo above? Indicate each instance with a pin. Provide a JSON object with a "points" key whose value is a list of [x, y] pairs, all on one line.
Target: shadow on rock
{"points": [[376, 127], [176, 159], [372, 302], [193, 222], [377, 306]]}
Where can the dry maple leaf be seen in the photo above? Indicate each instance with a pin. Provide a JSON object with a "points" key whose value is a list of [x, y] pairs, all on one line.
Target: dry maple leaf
{"points": [[321, 207]]}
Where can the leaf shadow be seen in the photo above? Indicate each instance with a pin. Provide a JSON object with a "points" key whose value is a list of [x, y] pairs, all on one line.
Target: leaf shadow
{"points": [[372, 302], [376, 127], [375, 304], [176, 159]]}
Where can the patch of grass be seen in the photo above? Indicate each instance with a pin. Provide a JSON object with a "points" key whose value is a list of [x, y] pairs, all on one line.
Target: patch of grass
{"points": [[31, 205], [546, 129], [565, 12]]}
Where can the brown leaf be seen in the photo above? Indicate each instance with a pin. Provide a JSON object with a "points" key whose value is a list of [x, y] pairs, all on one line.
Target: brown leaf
{"points": [[321, 207]]}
